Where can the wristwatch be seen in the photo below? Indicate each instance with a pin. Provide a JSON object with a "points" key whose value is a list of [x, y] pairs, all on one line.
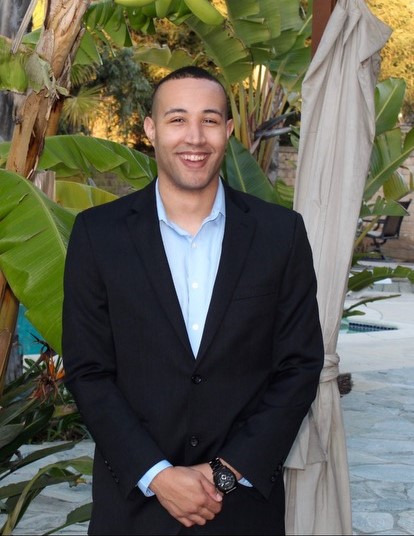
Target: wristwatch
{"points": [[224, 478]]}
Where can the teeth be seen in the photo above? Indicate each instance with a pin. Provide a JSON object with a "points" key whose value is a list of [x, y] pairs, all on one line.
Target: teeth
{"points": [[194, 157]]}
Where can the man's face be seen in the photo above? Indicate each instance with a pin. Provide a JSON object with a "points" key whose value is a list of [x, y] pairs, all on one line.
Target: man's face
{"points": [[189, 130]]}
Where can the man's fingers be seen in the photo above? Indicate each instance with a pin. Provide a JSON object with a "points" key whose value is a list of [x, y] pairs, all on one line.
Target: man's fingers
{"points": [[187, 495], [212, 492]]}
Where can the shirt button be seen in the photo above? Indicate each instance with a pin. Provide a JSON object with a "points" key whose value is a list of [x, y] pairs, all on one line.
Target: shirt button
{"points": [[194, 285], [194, 441], [196, 379], [195, 327], [194, 245]]}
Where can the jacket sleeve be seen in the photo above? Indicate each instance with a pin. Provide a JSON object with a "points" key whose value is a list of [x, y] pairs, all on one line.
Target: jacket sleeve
{"points": [[90, 367], [259, 448]]}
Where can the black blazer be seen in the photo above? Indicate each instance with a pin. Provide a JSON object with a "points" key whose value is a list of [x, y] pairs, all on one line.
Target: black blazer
{"points": [[144, 396]]}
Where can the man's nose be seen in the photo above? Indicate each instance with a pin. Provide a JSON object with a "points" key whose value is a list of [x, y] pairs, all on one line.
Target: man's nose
{"points": [[195, 133]]}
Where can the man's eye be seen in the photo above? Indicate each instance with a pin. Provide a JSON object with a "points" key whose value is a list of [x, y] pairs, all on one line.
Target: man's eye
{"points": [[210, 121], [177, 120]]}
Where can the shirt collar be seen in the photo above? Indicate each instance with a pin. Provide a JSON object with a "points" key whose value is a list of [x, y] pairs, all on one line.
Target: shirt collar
{"points": [[219, 205]]}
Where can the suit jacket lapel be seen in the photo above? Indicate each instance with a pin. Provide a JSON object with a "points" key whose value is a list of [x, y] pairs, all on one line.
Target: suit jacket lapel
{"points": [[238, 235], [143, 225]]}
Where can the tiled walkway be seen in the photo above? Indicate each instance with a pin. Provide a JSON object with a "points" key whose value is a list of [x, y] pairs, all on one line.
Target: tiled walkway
{"points": [[379, 423]]}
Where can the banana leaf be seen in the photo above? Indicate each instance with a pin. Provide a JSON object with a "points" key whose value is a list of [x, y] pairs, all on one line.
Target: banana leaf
{"points": [[365, 278], [34, 233], [163, 57], [390, 150], [242, 171], [389, 97], [107, 20], [228, 52], [78, 196], [81, 156], [382, 207], [78, 157], [283, 194], [396, 186], [352, 311]]}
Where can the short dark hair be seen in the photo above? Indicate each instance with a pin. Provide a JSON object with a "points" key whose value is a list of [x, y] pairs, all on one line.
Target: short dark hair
{"points": [[190, 71]]}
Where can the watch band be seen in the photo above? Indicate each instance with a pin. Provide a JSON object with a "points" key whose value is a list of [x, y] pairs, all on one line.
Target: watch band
{"points": [[215, 464]]}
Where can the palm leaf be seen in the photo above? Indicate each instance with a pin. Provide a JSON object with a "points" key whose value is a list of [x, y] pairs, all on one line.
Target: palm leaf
{"points": [[365, 278], [351, 311], [389, 97], [228, 52], [34, 233], [80, 196], [388, 153], [78, 155], [163, 56]]}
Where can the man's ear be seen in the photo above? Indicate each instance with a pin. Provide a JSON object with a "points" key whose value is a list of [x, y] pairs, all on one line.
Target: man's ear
{"points": [[229, 127], [149, 128]]}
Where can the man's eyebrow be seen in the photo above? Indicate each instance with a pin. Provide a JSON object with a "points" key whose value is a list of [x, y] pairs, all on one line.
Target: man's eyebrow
{"points": [[184, 111]]}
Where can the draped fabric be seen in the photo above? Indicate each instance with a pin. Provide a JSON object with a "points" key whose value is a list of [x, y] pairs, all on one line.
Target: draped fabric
{"points": [[337, 133]]}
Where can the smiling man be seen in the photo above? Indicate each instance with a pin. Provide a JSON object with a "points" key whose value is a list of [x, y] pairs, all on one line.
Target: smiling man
{"points": [[191, 335]]}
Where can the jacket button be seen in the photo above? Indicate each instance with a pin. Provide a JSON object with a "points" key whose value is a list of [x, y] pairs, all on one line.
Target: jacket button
{"points": [[279, 468], [194, 441], [273, 478], [196, 379]]}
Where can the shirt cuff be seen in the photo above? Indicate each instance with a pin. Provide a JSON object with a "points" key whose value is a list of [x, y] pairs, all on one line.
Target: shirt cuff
{"points": [[145, 481], [244, 482]]}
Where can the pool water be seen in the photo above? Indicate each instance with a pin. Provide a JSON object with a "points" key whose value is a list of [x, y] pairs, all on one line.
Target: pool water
{"points": [[25, 331]]}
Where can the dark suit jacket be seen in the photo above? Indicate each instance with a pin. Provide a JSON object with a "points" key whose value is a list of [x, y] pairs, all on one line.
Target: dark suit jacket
{"points": [[144, 396]]}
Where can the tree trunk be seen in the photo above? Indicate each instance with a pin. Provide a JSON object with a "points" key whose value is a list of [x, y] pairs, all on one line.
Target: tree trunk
{"points": [[59, 40], [11, 14], [58, 44]]}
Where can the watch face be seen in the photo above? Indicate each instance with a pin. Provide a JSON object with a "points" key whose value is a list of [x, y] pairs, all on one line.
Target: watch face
{"points": [[224, 479]]}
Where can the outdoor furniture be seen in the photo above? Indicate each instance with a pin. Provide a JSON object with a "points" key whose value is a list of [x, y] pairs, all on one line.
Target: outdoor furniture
{"points": [[387, 228]]}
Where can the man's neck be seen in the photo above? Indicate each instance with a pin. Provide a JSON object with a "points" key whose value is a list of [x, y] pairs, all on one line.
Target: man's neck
{"points": [[188, 208]]}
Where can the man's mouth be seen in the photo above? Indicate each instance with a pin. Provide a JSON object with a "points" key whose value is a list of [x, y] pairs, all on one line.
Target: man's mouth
{"points": [[194, 157]]}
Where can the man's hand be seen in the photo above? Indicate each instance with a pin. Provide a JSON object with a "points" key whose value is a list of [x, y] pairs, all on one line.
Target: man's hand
{"points": [[187, 495]]}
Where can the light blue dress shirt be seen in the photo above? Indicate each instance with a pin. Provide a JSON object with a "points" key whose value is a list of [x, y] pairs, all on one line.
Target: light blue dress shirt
{"points": [[193, 262]]}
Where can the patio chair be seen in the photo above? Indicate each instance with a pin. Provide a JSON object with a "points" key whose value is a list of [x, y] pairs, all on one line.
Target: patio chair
{"points": [[387, 228]]}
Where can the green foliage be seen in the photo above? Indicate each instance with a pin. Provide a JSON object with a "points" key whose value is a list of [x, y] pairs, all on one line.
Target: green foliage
{"points": [[33, 229], [121, 77], [26, 407], [385, 185]]}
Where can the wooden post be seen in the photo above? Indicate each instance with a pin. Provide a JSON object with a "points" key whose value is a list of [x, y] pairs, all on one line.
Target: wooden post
{"points": [[322, 10]]}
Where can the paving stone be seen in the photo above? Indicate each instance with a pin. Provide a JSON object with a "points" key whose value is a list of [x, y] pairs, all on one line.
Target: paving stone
{"points": [[387, 490], [406, 521], [388, 473], [372, 522]]}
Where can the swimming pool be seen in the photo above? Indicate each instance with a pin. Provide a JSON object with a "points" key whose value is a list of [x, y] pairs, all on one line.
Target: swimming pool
{"points": [[26, 333]]}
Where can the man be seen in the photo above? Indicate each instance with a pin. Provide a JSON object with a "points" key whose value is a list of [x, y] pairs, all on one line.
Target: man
{"points": [[191, 335]]}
